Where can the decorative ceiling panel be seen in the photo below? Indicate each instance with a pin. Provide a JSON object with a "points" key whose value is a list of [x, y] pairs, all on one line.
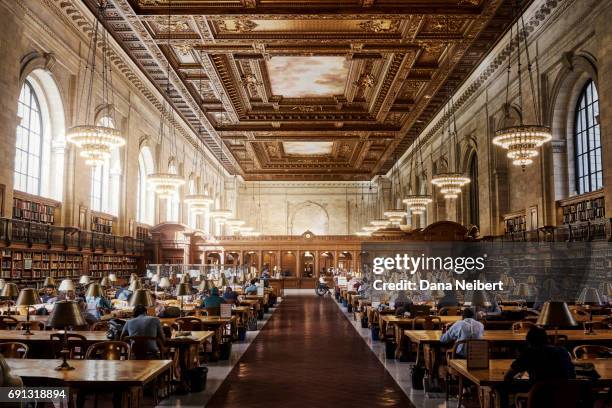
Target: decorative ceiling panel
{"points": [[363, 77]]}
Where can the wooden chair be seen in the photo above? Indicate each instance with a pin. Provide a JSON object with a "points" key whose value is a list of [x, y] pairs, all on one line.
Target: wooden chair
{"points": [[450, 311], [212, 311], [33, 326], [139, 346], [451, 374], [8, 323], [109, 350], [522, 326], [77, 344], [99, 326], [189, 323], [14, 349], [551, 394], [427, 323], [591, 351]]}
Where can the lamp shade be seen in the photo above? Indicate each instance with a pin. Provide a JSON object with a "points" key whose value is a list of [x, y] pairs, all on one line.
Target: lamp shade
{"points": [[84, 280], [589, 296], [94, 290], [66, 314], [155, 278], [164, 283], [28, 297], [556, 314], [510, 283], [133, 277], [135, 285], [531, 280], [49, 281], [183, 289], [142, 297], [185, 278], [523, 290], [112, 277], [105, 282], [204, 286], [10, 291], [66, 286]]}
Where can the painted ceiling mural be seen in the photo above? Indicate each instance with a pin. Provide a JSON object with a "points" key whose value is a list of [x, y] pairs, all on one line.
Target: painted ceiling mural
{"points": [[310, 90]]}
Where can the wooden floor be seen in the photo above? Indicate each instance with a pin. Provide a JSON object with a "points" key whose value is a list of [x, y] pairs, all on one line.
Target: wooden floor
{"points": [[308, 355]]}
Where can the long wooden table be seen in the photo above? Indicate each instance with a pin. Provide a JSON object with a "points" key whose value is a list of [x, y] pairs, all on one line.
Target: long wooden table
{"points": [[215, 324], [490, 380], [128, 377]]}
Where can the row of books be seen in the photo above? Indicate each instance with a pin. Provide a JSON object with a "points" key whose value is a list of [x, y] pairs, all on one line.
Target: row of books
{"points": [[33, 211]]}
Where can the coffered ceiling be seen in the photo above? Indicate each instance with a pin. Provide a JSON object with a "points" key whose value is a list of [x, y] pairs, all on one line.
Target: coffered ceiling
{"points": [[308, 90]]}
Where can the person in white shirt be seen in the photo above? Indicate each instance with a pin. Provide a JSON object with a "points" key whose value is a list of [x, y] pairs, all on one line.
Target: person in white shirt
{"points": [[466, 329]]}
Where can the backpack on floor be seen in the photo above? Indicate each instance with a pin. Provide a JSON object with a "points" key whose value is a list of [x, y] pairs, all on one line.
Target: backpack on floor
{"points": [[251, 323]]}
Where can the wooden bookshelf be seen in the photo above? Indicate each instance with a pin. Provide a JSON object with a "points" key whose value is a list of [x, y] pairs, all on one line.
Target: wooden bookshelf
{"points": [[102, 223], [142, 232], [122, 266], [27, 207], [582, 208], [515, 222], [20, 264]]}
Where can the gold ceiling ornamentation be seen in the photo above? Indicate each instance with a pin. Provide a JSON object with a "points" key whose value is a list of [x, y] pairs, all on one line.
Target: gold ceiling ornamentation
{"points": [[380, 26], [184, 49], [241, 25], [468, 2], [365, 81], [175, 25]]}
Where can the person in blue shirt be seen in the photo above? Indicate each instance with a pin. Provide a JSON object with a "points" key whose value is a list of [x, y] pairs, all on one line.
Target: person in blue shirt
{"points": [[96, 305], [466, 329], [252, 288], [123, 293], [213, 300], [230, 296]]}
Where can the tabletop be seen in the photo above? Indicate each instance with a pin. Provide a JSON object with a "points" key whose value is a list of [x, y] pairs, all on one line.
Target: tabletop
{"points": [[498, 368], [93, 336], [389, 318], [91, 372], [433, 336]]}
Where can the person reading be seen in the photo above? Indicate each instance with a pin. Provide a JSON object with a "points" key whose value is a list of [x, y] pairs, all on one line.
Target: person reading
{"points": [[466, 329], [143, 325]]}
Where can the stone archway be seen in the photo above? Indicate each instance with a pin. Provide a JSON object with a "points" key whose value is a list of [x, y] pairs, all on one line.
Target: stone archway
{"points": [[309, 216]]}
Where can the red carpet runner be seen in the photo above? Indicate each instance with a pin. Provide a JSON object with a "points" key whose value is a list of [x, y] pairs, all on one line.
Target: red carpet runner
{"points": [[308, 355]]}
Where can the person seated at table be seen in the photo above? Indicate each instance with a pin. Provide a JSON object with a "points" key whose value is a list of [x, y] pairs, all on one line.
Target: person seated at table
{"points": [[98, 306], [448, 300], [87, 315], [402, 303], [230, 295], [213, 300], [49, 295], [543, 362], [123, 293], [143, 325], [353, 284], [252, 288], [466, 329]]}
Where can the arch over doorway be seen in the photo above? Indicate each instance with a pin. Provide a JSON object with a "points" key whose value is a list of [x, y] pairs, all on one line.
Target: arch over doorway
{"points": [[309, 216]]}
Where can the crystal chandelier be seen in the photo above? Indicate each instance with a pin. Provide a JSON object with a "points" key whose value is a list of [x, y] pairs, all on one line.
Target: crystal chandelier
{"points": [[378, 223], [198, 203], [417, 204], [522, 141], [363, 234], [220, 215], [165, 185], [395, 216], [96, 142]]}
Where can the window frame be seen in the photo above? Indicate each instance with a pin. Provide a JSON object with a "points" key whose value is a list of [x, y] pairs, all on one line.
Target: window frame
{"points": [[17, 174], [588, 164]]}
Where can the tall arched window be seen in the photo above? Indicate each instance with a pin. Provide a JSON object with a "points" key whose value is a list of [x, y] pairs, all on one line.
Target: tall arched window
{"points": [[588, 141], [106, 179], [28, 156], [145, 197], [40, 137], [173, 203], [474, 209]]}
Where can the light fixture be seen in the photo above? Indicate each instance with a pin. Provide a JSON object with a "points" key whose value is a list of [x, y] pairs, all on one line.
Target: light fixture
{"points": [[417, 204], [165, 185], [84, 280], [220, 215], [371, 228], [363, 233], [522, 141], [198, 203], [395, 215], [96, 142], [450, 184], [379, 223]]}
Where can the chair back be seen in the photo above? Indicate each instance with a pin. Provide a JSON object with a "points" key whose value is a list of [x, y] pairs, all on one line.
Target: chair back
{"points": [[141, 347], [8, 323], [189, 323], [591, 351], [213, 311], [33, 325], [522, 326], [419, 310], [109, 350], [554, 394], [427, 323], [77, 345], [99, 326], [14, 349], [450, 311]]}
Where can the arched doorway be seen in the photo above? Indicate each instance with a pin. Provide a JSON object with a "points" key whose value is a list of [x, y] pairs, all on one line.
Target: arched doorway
{"points": [[326, 261], [307, 264]]}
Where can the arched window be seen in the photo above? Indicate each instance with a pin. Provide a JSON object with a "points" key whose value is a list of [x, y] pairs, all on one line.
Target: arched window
{"points": [[39, 141], [145, 198], [106, 179], [173, 203], [474, 209], [588, 141]]}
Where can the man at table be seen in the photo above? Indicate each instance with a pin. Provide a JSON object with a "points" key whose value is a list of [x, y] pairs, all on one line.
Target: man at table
{"points": [[252, 288], [123, 293], [466, 329], [213, 300], [448, 300], [230, 296], [143, 325], [98, 305], [543, 362]]}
